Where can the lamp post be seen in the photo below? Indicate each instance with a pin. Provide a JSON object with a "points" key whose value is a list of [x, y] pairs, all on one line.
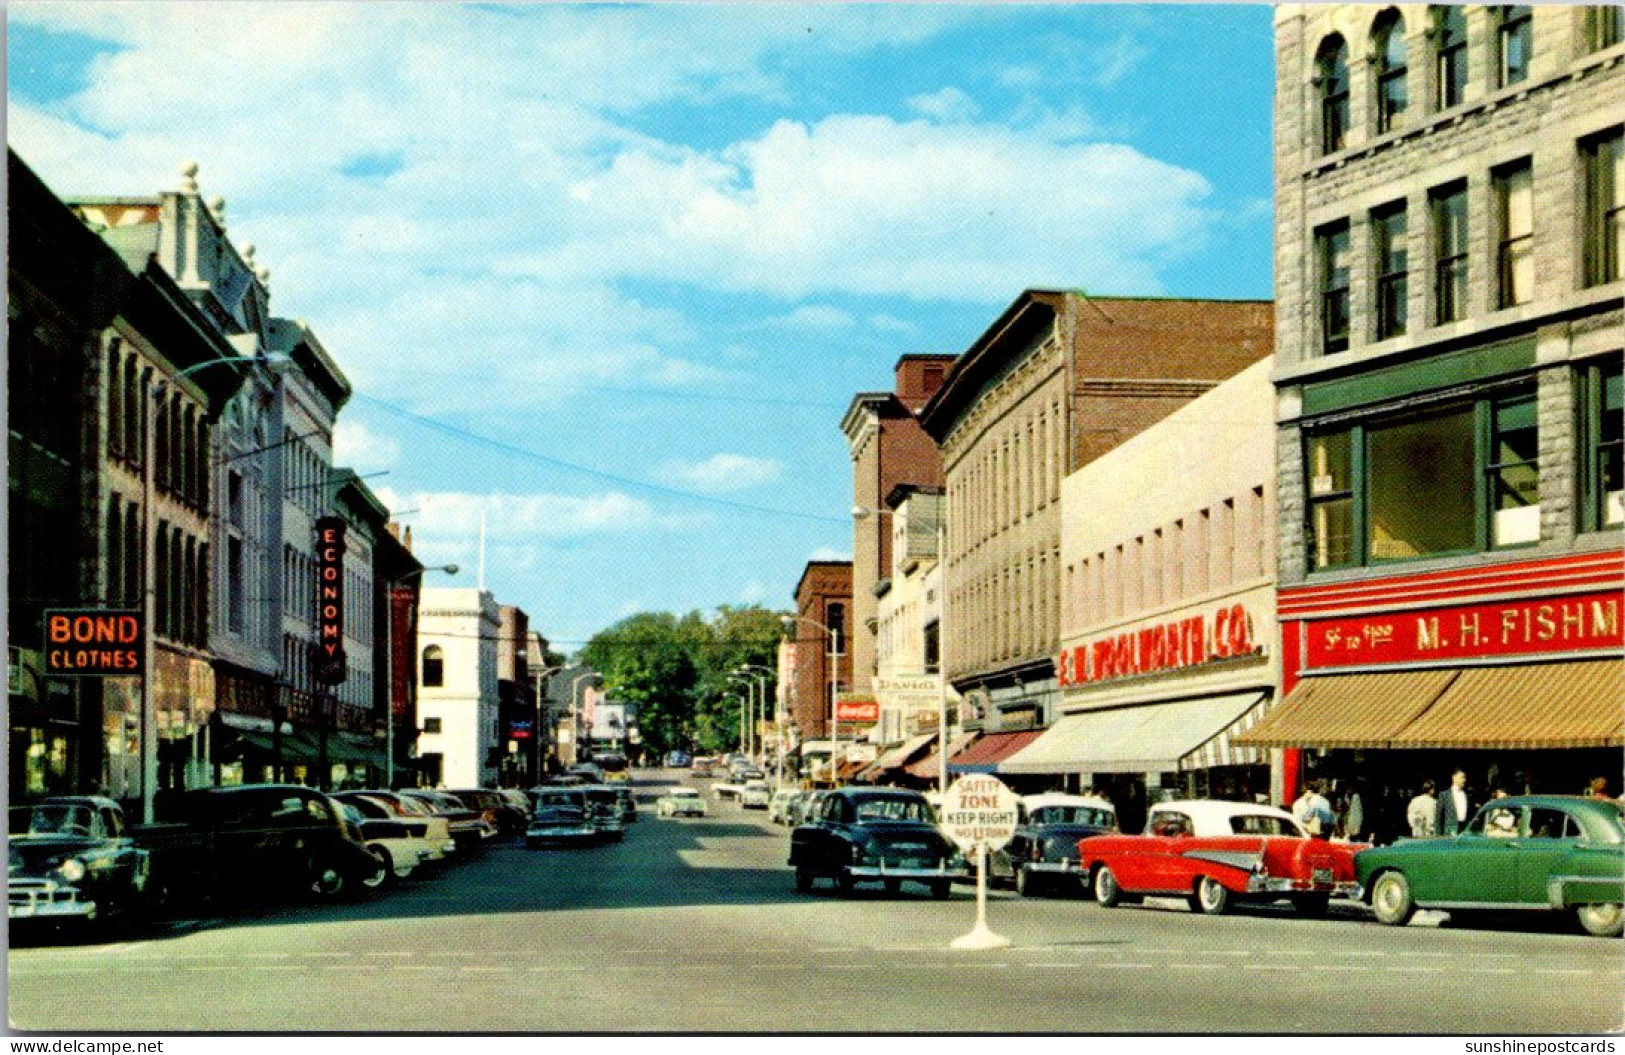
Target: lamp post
{"points": [[389, 664], [760, 675], [149, 572], [789, 621]]}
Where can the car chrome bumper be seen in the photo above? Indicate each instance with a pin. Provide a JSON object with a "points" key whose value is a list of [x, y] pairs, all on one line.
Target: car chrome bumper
{"points": [[885, 871], [43, 899], [561, 835], [1055, 867], [1279, 885]]}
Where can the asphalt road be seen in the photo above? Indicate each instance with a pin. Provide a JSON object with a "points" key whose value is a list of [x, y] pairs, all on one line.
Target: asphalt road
{"points": [[693, 925]]}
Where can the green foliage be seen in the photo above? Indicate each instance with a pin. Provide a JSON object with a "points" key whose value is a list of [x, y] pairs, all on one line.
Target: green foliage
{"points": [[674, 669]]}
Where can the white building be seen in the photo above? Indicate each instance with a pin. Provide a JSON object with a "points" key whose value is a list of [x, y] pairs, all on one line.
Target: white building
{"points": [[458, 630]]}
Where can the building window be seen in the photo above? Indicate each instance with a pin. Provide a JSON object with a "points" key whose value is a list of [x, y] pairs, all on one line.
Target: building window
{"points": [[1449, 206], [1389, 47], [1515, 221], [1604, 215], [115, 552], [1450, 65], [1331, 500], [835, 617], [234, 584], [434, 667], [1419, 476], [1604, 479], [933, 647], [1333, 78], [431, 726], [1333, 252], [1514, 471], [1603, 26], [1516, 39], [1393, 287], [115, 398]]}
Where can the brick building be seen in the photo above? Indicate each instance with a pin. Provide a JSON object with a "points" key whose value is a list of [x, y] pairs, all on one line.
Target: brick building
{"points": [[1449, 402], [1059, 379], [823, 599], [889, 448]]}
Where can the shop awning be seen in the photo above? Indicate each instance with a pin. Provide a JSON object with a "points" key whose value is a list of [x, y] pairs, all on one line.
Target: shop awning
{"points": [[1546, 705], [925, 767], [1349, 710], [903, 753], [1150, 738], [985, 754]]}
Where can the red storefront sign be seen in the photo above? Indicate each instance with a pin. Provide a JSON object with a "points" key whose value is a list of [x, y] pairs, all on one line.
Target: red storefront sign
{"points": [[330, 660], [93, 643], [1223, 634], [1577, 623], [865, 710]]}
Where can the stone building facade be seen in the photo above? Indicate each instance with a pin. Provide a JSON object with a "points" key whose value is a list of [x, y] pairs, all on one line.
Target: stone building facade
{"points": [[458, 631], [1448, 206]]}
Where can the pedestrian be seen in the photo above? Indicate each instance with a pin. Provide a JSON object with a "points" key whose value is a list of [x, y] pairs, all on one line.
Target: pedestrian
{"points": [[1597, 789], [1423, 813], [1313, 811], [1455, 806], [1354, 815]]}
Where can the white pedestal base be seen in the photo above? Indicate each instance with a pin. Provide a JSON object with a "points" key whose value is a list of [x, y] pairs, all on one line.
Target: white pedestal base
{"points": [[980, 938]]}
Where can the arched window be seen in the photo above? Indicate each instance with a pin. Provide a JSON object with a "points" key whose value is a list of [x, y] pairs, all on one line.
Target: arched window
{"points": [[1388, 43], [434, 667], [1332, 74], [1450, 56]]}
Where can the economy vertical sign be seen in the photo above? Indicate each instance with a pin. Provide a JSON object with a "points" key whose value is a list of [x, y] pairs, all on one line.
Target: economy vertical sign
{"points": [[330, 664]]}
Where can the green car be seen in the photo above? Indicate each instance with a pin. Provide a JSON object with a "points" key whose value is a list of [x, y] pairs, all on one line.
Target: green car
{"points": [[1552, 853]]}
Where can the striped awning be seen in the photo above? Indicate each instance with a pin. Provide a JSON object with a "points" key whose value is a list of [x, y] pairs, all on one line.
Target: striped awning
{"points": [[926, 767], [1348, 710], [1548, 705], [984, 755], [903, 753], [1150, 738]]}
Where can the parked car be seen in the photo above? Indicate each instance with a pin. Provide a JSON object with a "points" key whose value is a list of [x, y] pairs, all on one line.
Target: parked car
{"points": [[677, 760], [386, 805], [1549, 853], [283, 837], [703, 767], [628, 802], [868, 835], [588, 772], [398, 844], [1043, 853], [680, 801], [503, 816], [613, 768], [755, 795], [805, 808], [604, 811], [780, 805], [469, 828], [73, 861], [517, 799], [1215, 854], [559, 823]]}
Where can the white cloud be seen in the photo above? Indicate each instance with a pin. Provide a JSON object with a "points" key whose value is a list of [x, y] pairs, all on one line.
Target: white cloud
{"points": [[361, 448], [754, 592], [891, 324], [445, 516], [814, 317], [950, 105], [826, 553], [722, 472]]}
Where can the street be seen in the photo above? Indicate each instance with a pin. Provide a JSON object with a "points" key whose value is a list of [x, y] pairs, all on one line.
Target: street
{"points": [[693, 925]]}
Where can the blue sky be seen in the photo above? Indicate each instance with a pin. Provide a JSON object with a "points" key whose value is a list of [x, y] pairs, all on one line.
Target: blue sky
{"points": [[610, 275]]}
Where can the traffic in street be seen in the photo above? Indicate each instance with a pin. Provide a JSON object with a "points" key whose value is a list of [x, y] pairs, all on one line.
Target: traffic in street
{"points": [[693, 923]]}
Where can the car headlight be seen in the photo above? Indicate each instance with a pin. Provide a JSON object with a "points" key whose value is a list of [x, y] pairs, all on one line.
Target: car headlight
{"points": [[72, 869]]}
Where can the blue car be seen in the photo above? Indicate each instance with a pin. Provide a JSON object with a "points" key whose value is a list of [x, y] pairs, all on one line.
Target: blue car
{"points": [[678, 760]]}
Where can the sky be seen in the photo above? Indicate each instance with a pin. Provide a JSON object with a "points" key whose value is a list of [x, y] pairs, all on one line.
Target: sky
{"points": [[607, 277]]}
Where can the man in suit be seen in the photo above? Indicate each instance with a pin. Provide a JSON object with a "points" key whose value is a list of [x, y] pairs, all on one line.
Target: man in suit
{"points": [[1455, 808]]}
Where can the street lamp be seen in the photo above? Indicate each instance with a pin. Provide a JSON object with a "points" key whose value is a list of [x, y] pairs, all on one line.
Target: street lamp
{"points": [[389, 663], [149, 572], [760, 675], [789, 622]]}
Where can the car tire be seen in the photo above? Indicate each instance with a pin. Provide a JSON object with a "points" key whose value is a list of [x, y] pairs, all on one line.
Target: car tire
{"points": [[804, 879], [843, 883], [892, 887], [327, 881], [1107, 892], [1212, 897], [1026, 885], [1312, 904], [1602, 921], [385, 872], [941, 888], [1391, 900]]}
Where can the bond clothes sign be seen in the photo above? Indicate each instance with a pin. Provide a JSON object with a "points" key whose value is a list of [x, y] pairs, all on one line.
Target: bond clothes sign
{"points": [[1227, 633], [1578, 623], [93, 643], [330, 664]]}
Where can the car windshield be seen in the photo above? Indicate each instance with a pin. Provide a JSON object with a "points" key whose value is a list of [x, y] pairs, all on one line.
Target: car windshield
{"points": [[1073, 815], [1262, 824], [52, 820], [892, 809], [683, 793]]}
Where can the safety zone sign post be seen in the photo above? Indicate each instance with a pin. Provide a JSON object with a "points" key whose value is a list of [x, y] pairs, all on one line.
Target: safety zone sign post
{"points": [[979, 815]]}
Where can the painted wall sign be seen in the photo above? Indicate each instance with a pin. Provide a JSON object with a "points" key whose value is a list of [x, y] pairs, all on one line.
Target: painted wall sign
{"points": [[857, 710], [1582, 622], [93, 642], [1226, 633], [330, 666]]}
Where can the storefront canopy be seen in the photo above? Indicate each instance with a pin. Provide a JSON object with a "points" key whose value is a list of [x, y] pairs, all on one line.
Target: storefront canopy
{"points": [[926, 766], [901, 755], [984, 755], [1349, 710], [1546, 705], [1150, 738]]}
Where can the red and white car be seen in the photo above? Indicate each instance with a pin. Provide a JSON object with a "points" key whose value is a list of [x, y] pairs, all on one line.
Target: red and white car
{"points": [[1217, 853]]}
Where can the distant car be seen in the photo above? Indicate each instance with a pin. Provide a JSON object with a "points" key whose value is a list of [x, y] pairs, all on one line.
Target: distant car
{"points": [[604, 811], [1215, 854], [677, 760], [703, 767], [779, 806], [680, 802], [469, 828], [1551, 853], [874, 835], [588, 771], [72, 861], [399, 845], [613, 768], [1042, 854], [629, 803], [502, 814], [386, 805], [755, 795], [559, 825]]}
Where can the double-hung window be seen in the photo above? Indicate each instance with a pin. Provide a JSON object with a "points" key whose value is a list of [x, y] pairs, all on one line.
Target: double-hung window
{"points": [[1513, 475], [1389, 50], [1450, 57], [1332, 244], [1515, 221], [1603, 24], [1603, 479], [1516, 39], [1604, 163], [1331, 499], [1388, 226], [1333, 75], [1449, 207]]}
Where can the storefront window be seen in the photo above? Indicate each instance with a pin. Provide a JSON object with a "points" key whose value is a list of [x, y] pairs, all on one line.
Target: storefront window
{"points": [[1514, 472], [1331, 499], [1606, 501], [1421, 493]]}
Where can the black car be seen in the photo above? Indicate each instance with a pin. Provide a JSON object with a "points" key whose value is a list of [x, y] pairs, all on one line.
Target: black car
{"points": [[874, 835], [73, 862], [1042, 854]]}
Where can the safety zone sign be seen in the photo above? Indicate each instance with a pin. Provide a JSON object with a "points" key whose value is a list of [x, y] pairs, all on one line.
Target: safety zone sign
{"points": [[979, 811]]}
